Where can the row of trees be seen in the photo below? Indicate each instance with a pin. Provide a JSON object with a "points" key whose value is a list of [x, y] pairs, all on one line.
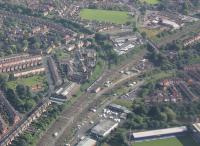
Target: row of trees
{"points": [[22, 98], [182, 56], [31, 138], [162, 115]]}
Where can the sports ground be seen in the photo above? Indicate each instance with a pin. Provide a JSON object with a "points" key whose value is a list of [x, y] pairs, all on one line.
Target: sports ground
{"points": [[176, 141], [117, 17], [153, 2]]}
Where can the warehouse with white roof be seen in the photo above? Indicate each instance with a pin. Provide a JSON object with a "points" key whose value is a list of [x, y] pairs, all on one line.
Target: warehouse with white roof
{"points": [[154, 134], [87, 142], [196, 131], [104, 128]]}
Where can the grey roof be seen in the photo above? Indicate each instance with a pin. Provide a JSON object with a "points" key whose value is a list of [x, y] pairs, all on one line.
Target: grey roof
{"points": [[104, 127], [121, 108], [87, 142]]}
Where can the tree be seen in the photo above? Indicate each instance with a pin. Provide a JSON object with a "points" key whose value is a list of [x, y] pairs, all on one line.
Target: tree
{"points": [[163, 117], [21, 90], [3, 79], [21, 142], [154, 111], [144, 35], [11, 76], [171, 115]]}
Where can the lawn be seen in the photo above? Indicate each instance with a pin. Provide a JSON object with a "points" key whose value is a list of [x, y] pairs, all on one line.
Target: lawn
{"points": [[151, 33], [29, 81], [180, 141], [123, 102], [152, 2], [117, 17]]}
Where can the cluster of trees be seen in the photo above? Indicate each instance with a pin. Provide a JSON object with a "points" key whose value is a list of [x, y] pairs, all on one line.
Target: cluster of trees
{"points": [[183, 56], [150, 117], [104, 47], [115, 139], [15, 8], [162, 115], [11, 44], [43, 42], [22, 98], [73, 26], [31, 138]]}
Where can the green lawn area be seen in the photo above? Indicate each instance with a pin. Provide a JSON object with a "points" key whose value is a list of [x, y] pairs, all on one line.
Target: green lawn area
{"points": [[180, 141], [123, 102], [29, 81], [117, 17], [151, 33], [152, 2]]}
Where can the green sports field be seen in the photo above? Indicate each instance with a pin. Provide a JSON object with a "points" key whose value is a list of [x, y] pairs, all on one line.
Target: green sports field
{"points": [[117, 17], [152, 2], [29, 81], [180, 141]]}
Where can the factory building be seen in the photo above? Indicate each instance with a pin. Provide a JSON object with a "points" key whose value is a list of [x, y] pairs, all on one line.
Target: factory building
{"points": [[160, 133], [104, 128], [196, 131], [87, 142]]}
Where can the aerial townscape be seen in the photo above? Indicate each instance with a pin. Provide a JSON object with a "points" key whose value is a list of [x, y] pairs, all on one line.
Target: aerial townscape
{"points": [[99, 73]]}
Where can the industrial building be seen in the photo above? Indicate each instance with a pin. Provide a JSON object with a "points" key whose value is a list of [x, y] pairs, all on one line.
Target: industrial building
{"points": [[61, 95], [104, 128], [87, 142], [119, 108], [160, 133], [196, 131]]}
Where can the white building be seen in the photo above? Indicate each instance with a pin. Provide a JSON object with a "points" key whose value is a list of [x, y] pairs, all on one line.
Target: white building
{"points": [[104, 128], [87, 142], [154, 134], [196, 131]]}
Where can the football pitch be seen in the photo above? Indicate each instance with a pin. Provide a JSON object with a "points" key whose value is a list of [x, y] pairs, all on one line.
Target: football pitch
{"points": [[153, 2], [117, 17], [176, 141]]}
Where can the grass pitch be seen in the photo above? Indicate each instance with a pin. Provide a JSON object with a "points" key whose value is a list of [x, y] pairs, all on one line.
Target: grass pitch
{"points": [[117, 17], [152, 2], [29, 81], [179, 141]]}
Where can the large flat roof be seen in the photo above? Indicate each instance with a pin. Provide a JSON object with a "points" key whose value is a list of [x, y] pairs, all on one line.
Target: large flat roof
{"points": [[197, 126], [160, 132], [103, 127], [87, 142]]}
